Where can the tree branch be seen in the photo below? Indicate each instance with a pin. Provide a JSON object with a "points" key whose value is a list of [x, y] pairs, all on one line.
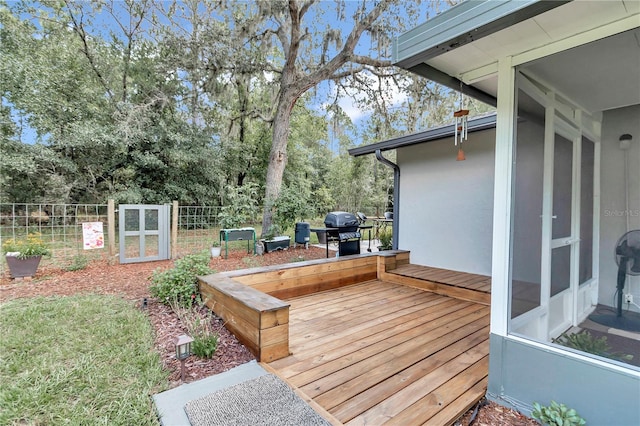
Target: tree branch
{"points": [[294, 37], [366, 60], [352, 72], [78, 28], [327, 70]]}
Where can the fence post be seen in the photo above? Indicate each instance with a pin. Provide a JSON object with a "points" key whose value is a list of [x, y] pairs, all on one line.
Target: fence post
{"points": [[174, 230], [111, 228]]}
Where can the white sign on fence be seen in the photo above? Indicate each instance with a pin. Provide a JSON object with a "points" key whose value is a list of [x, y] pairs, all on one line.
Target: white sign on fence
{"points": [[92, 235]]}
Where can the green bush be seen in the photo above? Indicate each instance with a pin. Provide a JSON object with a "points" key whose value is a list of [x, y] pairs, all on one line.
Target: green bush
{"points": [[205, 346], [585, 342], [556, 415], [199, 322], [179, 284], [241, 206], [79, 263], [386, 239], [292, 204]]}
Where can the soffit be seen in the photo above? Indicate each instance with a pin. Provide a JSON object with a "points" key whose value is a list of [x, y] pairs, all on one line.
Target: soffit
{"points": [[549, 27]]}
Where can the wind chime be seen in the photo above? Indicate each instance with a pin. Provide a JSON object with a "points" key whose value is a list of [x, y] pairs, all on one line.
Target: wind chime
{"points": [[461, 117]]}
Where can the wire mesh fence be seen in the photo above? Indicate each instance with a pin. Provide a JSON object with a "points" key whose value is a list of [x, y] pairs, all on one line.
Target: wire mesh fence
{"points": [[198, 227], [60, 227]]}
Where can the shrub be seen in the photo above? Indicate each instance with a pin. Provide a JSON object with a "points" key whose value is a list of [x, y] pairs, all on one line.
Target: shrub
{"points": [[292, 203], [205, 346], [241, 206], [31, 245], [79, 262], [556, 415], [386, 239], [585, 342], [179, 284], [200, 326]]}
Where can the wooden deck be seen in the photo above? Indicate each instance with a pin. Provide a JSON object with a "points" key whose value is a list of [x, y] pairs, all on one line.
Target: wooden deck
{"points": [[462, 285], [379, 352]]}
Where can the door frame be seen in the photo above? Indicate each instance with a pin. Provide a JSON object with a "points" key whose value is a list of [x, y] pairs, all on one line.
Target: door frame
{"points": [[162, 233], [575, 303], [559, 309]]}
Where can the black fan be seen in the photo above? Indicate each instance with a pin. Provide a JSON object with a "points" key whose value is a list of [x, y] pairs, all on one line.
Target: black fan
{"points": [[627, 254]]}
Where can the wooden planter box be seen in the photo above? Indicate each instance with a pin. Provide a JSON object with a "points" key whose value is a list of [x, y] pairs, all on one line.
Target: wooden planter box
{"points": [[259, 321], [20, 268]]}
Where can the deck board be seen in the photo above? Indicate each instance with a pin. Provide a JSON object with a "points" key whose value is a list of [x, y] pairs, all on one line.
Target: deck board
{"points": [[371, 331], [376, 352], [477, 282]]}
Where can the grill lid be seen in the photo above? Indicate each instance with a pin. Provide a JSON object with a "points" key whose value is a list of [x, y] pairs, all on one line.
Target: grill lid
{"points": [[340, 220]]}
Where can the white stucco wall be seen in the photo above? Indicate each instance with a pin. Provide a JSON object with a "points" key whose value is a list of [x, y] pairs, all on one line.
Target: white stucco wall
{"points": [[446, 207], [613, 210]]}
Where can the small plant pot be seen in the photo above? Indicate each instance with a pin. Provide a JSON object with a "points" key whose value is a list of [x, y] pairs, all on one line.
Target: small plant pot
{"points": [[20, 268], [215, 251]]}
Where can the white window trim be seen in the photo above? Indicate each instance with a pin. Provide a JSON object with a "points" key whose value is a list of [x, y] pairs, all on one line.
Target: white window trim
{"points": [[588, 125], [501, 267]]}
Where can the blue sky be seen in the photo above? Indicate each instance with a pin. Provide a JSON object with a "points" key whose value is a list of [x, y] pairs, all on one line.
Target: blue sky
{"points": [[325, 90]]}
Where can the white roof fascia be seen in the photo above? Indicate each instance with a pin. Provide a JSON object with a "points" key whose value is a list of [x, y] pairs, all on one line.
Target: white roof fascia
{"points": [[476, 124], [462, 24]]}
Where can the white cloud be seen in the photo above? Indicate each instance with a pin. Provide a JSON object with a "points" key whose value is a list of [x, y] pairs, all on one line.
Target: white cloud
{"points": [[351, 105]]}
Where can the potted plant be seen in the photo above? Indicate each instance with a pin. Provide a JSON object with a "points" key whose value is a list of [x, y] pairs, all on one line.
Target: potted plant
{"points": [[386, 240], [272, 241], [215, 249], [23, 255]]}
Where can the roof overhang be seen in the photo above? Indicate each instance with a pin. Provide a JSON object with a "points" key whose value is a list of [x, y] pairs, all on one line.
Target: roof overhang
{"points": [[433, 134], [462, 24], [588, 50], [461, 47]]}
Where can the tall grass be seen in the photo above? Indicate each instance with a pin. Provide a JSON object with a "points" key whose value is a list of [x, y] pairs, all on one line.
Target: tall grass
{"points": [[77, 360]]}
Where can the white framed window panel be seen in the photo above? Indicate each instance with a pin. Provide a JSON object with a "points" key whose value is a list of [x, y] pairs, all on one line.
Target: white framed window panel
{"points": [[590, 124], [571, 306]]}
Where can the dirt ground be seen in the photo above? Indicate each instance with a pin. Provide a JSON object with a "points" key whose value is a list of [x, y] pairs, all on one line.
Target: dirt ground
{"points": [[131, 281]]}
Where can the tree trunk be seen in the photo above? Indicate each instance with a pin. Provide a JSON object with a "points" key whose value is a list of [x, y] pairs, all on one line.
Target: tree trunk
{"points": [[294, 82], [278, 155]]}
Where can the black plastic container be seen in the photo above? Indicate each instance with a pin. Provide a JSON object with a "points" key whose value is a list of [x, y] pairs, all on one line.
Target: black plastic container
{"points": [[303, 233]]}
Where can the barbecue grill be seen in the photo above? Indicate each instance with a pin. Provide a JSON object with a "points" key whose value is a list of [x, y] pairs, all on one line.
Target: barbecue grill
{"points": [[343, 227]]}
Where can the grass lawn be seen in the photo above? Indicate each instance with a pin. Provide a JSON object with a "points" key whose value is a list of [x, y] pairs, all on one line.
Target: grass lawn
{"points": [[77, 360]]}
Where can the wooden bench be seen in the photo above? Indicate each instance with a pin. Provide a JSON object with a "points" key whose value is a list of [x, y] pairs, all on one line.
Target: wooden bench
{"points": [[302, 278]]}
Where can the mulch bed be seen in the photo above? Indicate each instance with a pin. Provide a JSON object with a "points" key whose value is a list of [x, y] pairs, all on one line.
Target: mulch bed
{"points": [[131, 281]]}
